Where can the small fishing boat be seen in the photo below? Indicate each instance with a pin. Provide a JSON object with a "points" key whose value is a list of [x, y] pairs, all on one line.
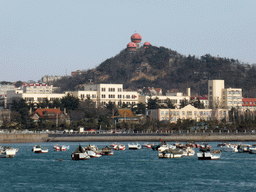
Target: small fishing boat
{"points": [[134, 146], [121, 147], [80, 154], [207, 155], [7, 152], [171, 153], [107, 151], [146, 145], [39, 149], [252, 150], [188, 152]]}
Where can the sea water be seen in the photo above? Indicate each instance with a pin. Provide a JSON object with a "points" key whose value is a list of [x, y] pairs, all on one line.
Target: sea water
{"points": [[129, 170]]}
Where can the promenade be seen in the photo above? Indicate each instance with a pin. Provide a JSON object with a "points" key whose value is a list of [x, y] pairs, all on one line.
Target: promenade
{"points": [[110, 137]]}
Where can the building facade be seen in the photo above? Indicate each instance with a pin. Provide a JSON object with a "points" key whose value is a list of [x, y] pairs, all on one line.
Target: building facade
{"points": [[103, 94], [187, 112], [221, 97]]}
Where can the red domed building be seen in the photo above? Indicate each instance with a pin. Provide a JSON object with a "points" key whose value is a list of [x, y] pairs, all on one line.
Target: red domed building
{"points": [[136, 38], [131, 47], [146, 45]]}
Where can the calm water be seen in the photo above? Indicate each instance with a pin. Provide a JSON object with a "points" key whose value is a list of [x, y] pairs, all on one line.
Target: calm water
{"points": [[127, 170]]}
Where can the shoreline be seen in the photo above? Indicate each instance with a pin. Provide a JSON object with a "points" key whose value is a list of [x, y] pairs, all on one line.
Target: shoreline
{"points": [[39, 138]]}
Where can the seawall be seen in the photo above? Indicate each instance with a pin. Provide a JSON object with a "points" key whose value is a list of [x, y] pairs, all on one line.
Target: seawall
{"points": [[152, 138], [23, 138], [44, 137]]}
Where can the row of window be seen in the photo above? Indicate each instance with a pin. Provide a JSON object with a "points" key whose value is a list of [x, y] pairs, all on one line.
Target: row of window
{"points": [[111, 89], [233, 92], [189, 113], [249, 102], [119, 96], [233, 102], [83, 96], [233, 98], [120, 103]]}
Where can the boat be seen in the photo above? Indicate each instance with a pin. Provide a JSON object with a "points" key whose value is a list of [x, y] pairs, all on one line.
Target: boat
{"points": [[107, 151], [146, 145], [208, 155], [93, 154], [7, 152], [121, 147], [228, 148], [80, 154], [56, 147], [252, 150], [155, 147], [164, 147], [171, 153], [134, 146], [39, 149], [188, 152], [243, 148]]}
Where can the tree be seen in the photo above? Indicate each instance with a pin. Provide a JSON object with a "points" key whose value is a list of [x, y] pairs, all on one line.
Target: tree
{"points": [[153, 103], [70, 102]]}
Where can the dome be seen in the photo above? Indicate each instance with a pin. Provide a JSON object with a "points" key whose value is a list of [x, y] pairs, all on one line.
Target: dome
{"points": [[131, 46], [147, 43], [136, 38]]}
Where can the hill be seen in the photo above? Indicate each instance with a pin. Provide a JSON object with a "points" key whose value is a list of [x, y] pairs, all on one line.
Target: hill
{"points": [[167, 69]]}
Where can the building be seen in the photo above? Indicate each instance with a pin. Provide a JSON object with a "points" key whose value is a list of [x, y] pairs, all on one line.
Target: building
{"points": [[187, 112], [125, 115], [221, 97], [203, 100], [50, 78], [249, 104], [37, 88], [50, 115], [103, 94], [175, 98]]}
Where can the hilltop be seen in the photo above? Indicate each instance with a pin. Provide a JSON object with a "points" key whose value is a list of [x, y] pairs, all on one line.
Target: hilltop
{"points": [[167, 69]]}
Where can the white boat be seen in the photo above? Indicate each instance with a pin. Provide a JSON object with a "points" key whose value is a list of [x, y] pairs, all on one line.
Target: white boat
{"points": [[8, 152], [165, 146], [243, 148], [121, 147], [39, 149], [134, 146], [80, 154], [228, 148], [171, 153], [188, 152], [146, 145], [93, 154], [207, 155], [252, 150]]}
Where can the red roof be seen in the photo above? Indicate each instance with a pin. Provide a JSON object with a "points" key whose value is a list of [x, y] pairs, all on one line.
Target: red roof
{"points": [[131, 45], [42, 112], [147, 43], [136, 38], [248, 101]]}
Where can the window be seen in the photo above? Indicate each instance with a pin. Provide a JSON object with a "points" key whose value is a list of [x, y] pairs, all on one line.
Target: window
{"points": [[103, 96], [183, 112], [103, 89], [166, 113], [210, 87], [119, 96], [195, 113], [177, 113], [93, 96], [189, 113], [119, 89], [127, 96], [162, 113]]}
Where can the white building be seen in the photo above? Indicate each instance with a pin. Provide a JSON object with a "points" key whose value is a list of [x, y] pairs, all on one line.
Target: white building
{"points": [[105, 93], [221, 97], [175, 98], [37, 88], [187, 112]]}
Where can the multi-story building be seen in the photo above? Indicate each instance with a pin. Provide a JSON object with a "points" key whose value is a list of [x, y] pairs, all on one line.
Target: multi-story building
{"points": [[249, 104], [105, 93], [203, 100], [175, 98], [37, 88], [50, 78], [221, 97], [187, 112]]}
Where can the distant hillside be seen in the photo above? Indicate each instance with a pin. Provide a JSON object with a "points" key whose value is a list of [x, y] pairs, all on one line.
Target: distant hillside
{"points": [[165, 68]]}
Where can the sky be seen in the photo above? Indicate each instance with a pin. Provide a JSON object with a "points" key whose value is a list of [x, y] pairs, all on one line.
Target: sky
{"points": [[57, 37]]}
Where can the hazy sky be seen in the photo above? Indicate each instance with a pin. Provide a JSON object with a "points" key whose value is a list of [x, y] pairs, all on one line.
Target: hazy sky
{"points": [[56, 37]]}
